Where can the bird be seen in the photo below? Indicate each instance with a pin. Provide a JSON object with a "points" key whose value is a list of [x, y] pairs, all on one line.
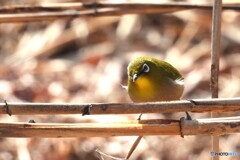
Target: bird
{"points": [[151, 79]]}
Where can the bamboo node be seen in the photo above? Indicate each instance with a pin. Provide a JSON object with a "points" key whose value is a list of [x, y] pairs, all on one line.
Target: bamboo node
{"points": [[7, 109], [86, 110], [95, 6], [193, 102], [31, 121], [181, 124]]}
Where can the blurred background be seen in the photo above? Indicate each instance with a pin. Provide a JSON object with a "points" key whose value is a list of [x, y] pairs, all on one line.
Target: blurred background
{"points": [[84, 60]]}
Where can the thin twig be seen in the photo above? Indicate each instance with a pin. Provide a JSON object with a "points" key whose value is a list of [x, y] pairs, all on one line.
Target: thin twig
{"points": [[86, 6], [57, 7], [134, 146], [215, 50], [215, 46], [52, 7], [49, 12]]}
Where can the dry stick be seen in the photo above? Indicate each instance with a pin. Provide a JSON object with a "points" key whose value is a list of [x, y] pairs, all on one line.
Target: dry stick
{"points": [[218, 126], [92, 5], [53, 7], [216, 40], [38, 13], [84, 6], [70, 14], [134, 146], [195, 105], [49, 7]]}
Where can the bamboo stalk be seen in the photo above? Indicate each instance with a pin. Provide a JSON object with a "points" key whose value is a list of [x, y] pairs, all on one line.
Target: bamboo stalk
{"points": [[129, 128], [196, 105], [56, 7], [215, 46], [215, 52], [49, 12]]}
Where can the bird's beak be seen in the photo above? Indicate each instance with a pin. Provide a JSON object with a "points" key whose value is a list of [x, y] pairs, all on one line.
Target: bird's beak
{"points": [[135, 76]]}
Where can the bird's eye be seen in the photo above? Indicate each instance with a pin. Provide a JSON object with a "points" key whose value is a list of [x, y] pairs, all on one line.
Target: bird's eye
{"points": [[145, 68]]}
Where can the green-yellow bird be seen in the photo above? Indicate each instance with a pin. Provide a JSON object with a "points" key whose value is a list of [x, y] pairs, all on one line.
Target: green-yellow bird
{"points": [[151, 79]]}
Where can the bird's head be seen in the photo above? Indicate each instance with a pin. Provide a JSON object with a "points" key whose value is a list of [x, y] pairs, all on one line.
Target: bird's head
{"points": [[142, 67]]}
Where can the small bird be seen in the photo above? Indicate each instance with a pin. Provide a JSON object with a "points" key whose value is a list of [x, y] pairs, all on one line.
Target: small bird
{"points": [[151, 79]]}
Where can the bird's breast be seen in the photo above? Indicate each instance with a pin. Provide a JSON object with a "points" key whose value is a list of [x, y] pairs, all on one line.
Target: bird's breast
{"points": [[142, 90], [145, 90]]}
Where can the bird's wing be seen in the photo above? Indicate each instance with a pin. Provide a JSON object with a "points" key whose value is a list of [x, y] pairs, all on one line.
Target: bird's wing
{"points": [[172, 72]]}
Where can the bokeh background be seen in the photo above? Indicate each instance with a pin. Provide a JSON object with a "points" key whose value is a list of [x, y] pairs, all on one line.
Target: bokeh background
{"points": [[85, 60]]}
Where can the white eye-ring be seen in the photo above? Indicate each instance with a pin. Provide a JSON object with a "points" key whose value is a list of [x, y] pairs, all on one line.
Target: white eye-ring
{"points": [[145, 68]]}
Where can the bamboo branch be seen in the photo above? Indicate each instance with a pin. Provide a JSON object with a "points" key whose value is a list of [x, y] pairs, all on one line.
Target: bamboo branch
{"points": [[49, 12], [215, 51], [130, 128], [196, 105], [55, 7], [215, 46]]}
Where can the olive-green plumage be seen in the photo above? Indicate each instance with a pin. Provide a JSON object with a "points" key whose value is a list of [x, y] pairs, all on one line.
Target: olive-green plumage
{"points": [[151, 79]]}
